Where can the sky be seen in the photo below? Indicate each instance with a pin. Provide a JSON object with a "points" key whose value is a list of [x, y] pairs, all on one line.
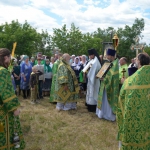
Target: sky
{"points": [[88, 15]]}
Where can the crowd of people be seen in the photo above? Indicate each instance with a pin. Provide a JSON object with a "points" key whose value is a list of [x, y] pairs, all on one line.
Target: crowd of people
{"points": [[121, 94]]}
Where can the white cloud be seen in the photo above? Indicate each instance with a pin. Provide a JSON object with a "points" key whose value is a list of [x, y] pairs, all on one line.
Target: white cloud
{"points": [[34, 16], [14, 2], [143, 4], [88, 16], [91, 2]]}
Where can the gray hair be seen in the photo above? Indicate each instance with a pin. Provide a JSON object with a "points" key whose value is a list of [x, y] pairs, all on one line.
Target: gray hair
{"points": [[84, 56]]}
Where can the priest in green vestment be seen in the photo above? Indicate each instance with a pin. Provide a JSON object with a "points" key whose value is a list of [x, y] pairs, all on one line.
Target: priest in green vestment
{"points": [[54, 72], [123, 67], [133, 113], [109, 90], [67, 87], [9, 120]]}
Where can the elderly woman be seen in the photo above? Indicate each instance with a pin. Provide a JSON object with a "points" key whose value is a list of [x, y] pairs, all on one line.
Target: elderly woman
{"points": [[52, 62], [26, 69], [47, 78], [32, 61], [84, 83]]}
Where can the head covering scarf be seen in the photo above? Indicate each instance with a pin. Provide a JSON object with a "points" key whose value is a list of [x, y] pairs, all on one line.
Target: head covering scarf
{"points": [[47, 67], [25, 57], [74, 64]]}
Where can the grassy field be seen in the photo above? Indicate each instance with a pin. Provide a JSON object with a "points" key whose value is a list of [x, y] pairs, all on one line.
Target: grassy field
{"points": [[45, 128]]}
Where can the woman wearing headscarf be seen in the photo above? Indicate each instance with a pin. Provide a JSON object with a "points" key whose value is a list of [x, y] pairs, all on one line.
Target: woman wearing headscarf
{"points": [[77, 67], [26, 70], [84, 82], [47, 78]]}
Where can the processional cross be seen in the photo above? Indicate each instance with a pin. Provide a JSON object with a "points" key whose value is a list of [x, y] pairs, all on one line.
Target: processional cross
{"points": [[137, 46]]}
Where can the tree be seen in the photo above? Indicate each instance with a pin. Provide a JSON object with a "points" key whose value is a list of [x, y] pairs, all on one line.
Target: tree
{"points": [[147, 49], [73, 41], [89, 41], [104, 35], [45, 44], [25, 35], [69, 41], [126, 37]]}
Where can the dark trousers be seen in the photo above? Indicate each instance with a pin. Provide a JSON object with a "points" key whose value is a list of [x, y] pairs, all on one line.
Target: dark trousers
{"points": [[40, 88], [84, 86], [26, 93]]}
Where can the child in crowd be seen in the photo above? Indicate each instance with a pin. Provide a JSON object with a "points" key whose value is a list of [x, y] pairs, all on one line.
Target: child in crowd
{"points": [[34, 79]]}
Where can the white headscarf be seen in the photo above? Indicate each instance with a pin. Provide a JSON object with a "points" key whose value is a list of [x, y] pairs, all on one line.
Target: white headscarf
{"points": [[74, 64]]}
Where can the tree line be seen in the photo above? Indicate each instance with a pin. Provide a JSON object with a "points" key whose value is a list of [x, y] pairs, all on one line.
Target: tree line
{"points": [[72, 41]]}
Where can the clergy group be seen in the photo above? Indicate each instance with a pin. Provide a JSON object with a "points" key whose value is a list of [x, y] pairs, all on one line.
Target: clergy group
{"points": [[111, 88]]}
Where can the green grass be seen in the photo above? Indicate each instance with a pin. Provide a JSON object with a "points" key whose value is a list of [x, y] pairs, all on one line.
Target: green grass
{"points": [[45, 128]]}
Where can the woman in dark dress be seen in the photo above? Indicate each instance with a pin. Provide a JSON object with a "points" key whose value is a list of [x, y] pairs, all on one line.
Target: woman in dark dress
{"points": [[47, 78], [16, 75]]}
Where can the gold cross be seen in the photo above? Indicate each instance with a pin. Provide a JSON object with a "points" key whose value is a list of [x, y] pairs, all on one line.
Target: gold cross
{"points": [[123, 72]]}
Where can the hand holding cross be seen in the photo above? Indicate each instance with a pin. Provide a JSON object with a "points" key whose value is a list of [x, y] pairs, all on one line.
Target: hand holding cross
{"points": [[123, 72]]}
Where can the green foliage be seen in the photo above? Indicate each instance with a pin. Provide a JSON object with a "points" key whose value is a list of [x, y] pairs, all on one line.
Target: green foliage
{"points": [[147, 50], [71, 41], [126, 37], [104, 35], [29, 41], [90, 41]]}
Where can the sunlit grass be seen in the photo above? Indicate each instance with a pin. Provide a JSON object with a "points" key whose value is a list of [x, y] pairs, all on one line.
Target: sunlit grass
{"points": [[46, 129]]}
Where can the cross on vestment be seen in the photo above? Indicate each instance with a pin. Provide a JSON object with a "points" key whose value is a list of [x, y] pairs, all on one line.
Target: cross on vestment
{"points": [[123, 72]]}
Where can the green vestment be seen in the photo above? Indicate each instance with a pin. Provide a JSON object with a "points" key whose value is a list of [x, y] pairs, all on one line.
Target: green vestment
{"points": [[133, 115], [8, 103], [54, 72], [111, 85], [42, 62], [66, 77]]}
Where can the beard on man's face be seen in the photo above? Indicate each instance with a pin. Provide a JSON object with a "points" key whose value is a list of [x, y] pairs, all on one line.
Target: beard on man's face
{"points": [[7, 63]]}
